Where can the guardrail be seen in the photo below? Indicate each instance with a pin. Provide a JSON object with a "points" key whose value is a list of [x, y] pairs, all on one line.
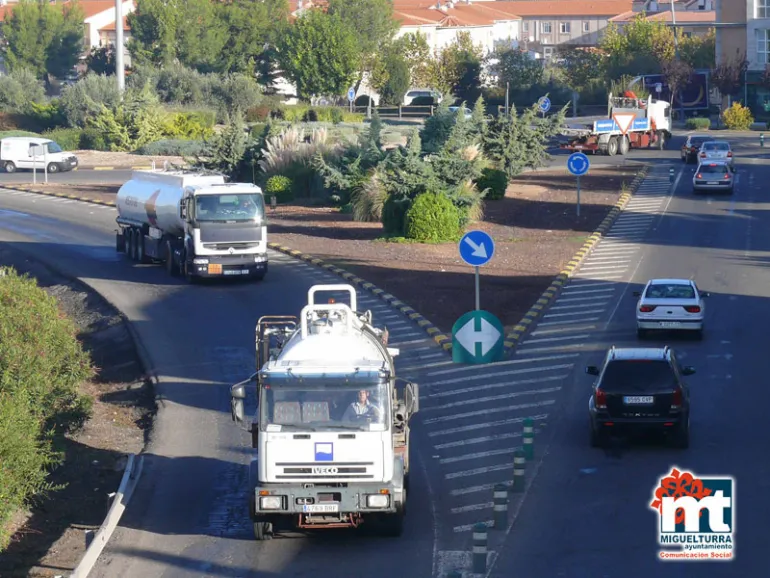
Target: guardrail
{"points": [[400, 111]]}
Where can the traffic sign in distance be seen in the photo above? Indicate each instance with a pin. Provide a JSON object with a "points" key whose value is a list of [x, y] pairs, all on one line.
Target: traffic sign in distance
{"points": [[476, 248], [351, 94], [624, 120], [578, 164], [544, 104], [477, 337]]}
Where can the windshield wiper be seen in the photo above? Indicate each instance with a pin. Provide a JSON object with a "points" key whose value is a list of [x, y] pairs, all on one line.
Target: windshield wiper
{"points": [[340, 426], [293, 426]]}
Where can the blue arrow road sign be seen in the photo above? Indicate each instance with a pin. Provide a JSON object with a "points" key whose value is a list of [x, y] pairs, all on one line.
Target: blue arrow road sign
{"points": [[351, 95], [578, 164], [476, 248], [478, 337], [544, 104]]}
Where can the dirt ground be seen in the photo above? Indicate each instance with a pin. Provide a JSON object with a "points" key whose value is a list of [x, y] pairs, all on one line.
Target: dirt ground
{"points": [[122, 160], [51, 538]]}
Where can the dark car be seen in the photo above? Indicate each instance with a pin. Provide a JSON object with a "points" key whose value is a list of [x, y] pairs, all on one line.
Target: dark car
{"points": [[691, 147], [640, 390]]}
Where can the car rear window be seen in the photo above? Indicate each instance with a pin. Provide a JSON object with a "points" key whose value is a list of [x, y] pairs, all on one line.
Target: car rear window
{"points": [[628, 376], [716, 146], [698, 140], [672, 291], [713, 169]]}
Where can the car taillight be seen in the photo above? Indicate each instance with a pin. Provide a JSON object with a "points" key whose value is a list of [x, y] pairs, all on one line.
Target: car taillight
{"points": [[676, 399], [727, 176], [703, 155], [600, 399], [647, 308], [699, 176], [692, 309]]}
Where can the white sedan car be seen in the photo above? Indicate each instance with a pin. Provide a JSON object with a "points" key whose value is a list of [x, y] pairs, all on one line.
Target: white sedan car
{"points": [[717, 150], [670, 305]]}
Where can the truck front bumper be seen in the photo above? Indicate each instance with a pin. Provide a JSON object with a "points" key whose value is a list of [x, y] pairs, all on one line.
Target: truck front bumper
{"points": [[214, 266]]}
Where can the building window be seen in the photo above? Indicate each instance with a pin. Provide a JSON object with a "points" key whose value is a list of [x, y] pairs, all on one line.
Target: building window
{"points": [[545, 28], [763, 8], [564, 27], [525, 27], [586, 27], [763, 46]]}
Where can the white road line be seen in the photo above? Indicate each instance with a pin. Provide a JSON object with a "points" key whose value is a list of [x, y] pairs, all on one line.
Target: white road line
{"points": [[570, 299], [423, 366], [643, 205], [479, 440], [525, 348], [605, 251], [512, 372], [592, 291], [577, 306], [569, 322], [469, 527], [478, 471], [478, 456], [515, 407], [631, 217], [471, 508], [560, 330], [413, 341], [471, 490], [551, 315], [480, 388], [499, 364], [593, 261], [489, 424], [631, 228], [603, 267], [583, 284], [508, 395], [552, 339]]}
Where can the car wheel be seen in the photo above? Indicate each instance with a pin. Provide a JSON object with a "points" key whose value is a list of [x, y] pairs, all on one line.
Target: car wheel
{"points": [[53, 167], [9, 167]]}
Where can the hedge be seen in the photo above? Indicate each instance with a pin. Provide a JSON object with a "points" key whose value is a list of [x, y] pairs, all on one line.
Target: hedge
{"points": [[697, 123], [173, 148], [433, 218], [42, 365]]}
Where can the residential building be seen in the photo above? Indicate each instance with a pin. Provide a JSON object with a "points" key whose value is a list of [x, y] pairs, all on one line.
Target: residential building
{"points": [[690, 17], [732, 33]]}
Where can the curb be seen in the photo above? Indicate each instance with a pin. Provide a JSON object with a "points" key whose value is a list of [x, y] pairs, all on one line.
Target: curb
{"points": [[434, 332], [120, 500], [100, 168], [60, 195], [550, 294]]}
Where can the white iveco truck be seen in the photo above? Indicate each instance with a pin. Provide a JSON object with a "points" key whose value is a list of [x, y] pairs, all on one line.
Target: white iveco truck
{"points": [[196, 224], [331, 427]]}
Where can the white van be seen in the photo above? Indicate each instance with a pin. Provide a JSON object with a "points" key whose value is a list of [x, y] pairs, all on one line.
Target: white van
{"points": [[20, 152], [422, 92]]}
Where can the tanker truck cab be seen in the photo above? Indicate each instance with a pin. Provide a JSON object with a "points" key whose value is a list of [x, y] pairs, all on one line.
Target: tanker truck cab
{"points": [[331, 428], [196, 224]]}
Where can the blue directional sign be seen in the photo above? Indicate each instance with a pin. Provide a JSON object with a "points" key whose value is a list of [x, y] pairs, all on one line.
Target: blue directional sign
{"points": [[351, 94], [544, 104], [578, 164], [478, 337], [477, 248]]}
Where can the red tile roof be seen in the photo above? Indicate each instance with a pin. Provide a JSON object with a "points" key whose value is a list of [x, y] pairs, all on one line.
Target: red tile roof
{"points": [[89, 7], [683, 17], [577, 8], [111, 26]]}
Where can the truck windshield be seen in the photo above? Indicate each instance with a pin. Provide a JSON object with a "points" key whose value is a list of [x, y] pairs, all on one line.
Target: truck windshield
{"points": [[53, 147], [325, 408], [232, 207]]}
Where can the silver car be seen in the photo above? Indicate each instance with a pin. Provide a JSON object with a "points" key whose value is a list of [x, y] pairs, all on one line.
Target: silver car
{"points": [[713, 176], [716, 150], [670, 305]]}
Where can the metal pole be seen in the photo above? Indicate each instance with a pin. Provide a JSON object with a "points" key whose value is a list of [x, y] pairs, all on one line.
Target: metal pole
{"points": [[478, 297], [507, 89], [45, 162], [120, 69], [34, 164], [578, 195]]}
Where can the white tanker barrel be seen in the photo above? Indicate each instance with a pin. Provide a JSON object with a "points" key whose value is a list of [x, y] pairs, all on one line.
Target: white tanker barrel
{"points": [[153, 198]]}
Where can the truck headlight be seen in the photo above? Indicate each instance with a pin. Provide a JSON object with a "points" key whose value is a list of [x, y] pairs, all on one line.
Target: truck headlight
{"points": [[271, 502], [200, 261], [377, 501]]}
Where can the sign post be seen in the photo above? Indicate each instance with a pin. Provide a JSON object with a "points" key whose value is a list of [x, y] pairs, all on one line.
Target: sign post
{"points": [[544, 104], [578, 164], [351, 97], [477, 249]]}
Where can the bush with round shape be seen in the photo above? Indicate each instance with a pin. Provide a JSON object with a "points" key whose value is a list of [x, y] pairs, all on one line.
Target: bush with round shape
{"points": [[280, 187], [432, 218], [697, 123], [496, 181], [737, 117]]}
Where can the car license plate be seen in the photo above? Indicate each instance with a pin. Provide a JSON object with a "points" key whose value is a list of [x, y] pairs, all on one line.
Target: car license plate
{"points": [[236, 272], [321, 508], [215, 269], [670, 324], [712, 183], [638, 399]]}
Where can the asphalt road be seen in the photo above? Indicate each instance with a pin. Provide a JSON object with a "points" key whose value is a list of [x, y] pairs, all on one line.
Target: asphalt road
{"points": [[587, 513], [79, 177], [189, 515]]}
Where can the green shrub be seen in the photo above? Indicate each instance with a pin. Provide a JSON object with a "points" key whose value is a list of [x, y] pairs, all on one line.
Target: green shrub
{"points": [[393, 215], [337, 115], [280, 187], [495, 180], [47, 116], [432, 217], [42, 365], [205, 118], [19, 89], [259, 113], [173, 148], [92, 139], [353, 117], [185, 126], [86, 97], [295, 113], [738, 117], [7, 133], [67, 138], [697, 123]]}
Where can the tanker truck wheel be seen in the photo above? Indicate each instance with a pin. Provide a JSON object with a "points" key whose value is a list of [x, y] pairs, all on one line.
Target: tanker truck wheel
{"points": [[170, 260], [263, 530], [128, 236]]}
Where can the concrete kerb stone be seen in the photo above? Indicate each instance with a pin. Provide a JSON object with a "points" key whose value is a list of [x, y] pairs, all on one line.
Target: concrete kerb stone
{"points": [[434, 332], [549, 295], [61, 195]]}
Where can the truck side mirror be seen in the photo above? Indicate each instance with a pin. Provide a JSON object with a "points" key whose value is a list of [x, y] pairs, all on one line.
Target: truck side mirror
{"points": [[237, 395], [412, 397]]}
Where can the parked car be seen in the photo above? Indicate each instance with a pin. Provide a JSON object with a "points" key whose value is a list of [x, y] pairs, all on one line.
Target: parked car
{"points": [[691, 147], [713, 176], [467, 111], [717, 150], [25, 152], [671, 305], [424, 93]]}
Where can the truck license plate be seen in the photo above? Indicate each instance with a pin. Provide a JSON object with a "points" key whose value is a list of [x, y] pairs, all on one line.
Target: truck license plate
{"points": [[321, 508], [215, 269], [637, 399]]}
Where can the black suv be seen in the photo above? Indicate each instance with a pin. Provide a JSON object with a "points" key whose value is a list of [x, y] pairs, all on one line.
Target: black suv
{"points": [[691, 147], [640, 389]]}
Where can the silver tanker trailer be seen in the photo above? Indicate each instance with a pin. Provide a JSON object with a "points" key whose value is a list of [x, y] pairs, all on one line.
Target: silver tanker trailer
{"points": [[196, 224]]}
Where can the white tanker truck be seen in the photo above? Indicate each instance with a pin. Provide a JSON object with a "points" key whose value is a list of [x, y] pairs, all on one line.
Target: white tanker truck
{"points": [[331, 427], [196, 224]]}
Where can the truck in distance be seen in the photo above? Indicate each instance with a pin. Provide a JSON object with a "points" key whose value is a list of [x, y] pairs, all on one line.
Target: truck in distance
{"points": [[331, 427], [198, 225]]}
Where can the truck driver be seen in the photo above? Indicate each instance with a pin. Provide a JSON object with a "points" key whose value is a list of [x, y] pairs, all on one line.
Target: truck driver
{"points": [[361, 407]]}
